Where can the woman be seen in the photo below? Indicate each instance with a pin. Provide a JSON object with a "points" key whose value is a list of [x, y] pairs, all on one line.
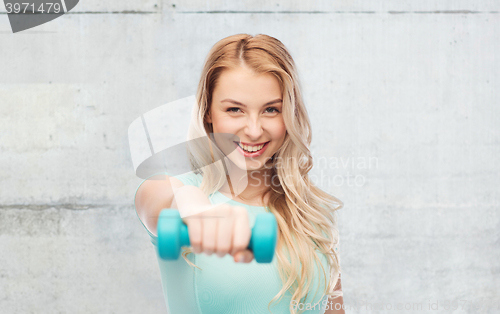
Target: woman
{"points": [[250, 106]]}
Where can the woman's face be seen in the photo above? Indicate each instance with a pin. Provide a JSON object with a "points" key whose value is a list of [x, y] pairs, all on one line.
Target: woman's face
{"points": [[246, 109]]}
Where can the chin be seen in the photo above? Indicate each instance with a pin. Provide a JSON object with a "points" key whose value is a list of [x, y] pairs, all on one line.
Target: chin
{"points": [[245, 166]]}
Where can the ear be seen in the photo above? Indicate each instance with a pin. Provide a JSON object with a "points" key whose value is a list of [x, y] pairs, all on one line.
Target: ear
{"points": [[208, 118]]}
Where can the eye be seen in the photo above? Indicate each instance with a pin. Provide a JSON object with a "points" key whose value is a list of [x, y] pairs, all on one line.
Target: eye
{"points": [[232, 109], [273, 108]]}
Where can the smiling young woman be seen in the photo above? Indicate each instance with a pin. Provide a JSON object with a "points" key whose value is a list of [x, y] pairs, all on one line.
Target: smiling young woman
{"points": [[250, 106]]}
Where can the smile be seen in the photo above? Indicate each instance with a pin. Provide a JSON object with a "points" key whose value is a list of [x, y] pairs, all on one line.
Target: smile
{"points": [[251, 151]]}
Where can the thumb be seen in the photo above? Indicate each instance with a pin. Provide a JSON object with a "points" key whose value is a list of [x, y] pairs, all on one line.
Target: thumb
{"points": [[247, 256]]}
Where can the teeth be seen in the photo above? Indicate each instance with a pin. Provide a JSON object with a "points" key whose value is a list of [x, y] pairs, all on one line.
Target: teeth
{"points": [[251, 149]]}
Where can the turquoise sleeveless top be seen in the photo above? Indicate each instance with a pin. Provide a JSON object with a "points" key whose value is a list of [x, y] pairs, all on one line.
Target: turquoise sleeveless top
{"points": [[225, 287]]}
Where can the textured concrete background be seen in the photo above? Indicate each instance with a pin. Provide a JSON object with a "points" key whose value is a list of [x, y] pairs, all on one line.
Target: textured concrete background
{"points": [[403, 97]]}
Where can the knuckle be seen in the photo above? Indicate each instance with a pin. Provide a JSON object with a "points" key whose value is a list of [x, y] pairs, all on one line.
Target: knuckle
{"points": [[239, 247], [208, 247], [196, 243], [222, 251], [225, 210], [204, 213], [240, 210]]}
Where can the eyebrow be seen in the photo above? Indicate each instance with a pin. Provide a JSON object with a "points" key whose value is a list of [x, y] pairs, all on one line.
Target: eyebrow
{"points": [[243, 105]]}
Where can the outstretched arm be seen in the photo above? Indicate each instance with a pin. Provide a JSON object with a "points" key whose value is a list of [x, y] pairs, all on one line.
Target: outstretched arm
{"points": [[336, 306]]}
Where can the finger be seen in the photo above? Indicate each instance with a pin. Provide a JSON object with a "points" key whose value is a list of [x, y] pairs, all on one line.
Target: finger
{"points": [[237, 256], [246, 254], [195, 229], [209, 232], [241, 231], [249, 256], [224, 235]]}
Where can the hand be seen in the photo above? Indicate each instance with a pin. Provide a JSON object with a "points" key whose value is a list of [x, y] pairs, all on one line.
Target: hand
{"points": [[223, 229]]}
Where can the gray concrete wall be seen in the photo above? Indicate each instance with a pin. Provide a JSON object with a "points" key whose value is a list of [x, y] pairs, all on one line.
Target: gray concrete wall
{"points": [[403, 97]]}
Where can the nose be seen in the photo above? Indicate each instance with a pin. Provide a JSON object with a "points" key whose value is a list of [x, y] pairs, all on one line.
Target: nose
{"points": [[253, 129]]}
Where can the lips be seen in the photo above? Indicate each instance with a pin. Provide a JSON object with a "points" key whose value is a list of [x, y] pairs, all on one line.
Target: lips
{"points": [[247, 144], [251, 154], [251, 145]]}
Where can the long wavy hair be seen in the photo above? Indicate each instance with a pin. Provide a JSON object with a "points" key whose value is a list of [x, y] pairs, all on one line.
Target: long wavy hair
{"points": [[306, 215]]}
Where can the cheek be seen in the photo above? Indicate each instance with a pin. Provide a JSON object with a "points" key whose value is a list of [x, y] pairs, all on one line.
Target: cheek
{"points": [[279, 131], [229, 126]]}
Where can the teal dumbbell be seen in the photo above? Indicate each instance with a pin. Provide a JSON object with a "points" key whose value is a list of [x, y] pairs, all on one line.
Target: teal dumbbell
{"points": [[173, 234]]}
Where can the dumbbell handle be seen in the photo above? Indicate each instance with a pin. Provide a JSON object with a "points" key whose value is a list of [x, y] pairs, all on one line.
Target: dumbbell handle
{"points": [[173, 234]]}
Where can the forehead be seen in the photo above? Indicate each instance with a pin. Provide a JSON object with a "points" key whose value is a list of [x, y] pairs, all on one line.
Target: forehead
{"points": [[243, 85]]}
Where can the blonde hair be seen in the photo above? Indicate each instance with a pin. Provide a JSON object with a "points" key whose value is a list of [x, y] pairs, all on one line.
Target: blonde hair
{"points": [[306, 215]]}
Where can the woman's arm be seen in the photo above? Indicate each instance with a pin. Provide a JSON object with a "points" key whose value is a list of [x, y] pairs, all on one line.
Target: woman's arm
{"points": [[163, 191], [153, 195], [336, 306]]}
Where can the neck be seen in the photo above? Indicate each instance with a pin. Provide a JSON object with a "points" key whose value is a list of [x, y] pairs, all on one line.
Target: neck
{"points": [[247, 185]]}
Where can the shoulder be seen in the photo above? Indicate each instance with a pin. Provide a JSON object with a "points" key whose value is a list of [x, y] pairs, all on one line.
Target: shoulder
{"points": [[190, 178], [158, 181]]}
